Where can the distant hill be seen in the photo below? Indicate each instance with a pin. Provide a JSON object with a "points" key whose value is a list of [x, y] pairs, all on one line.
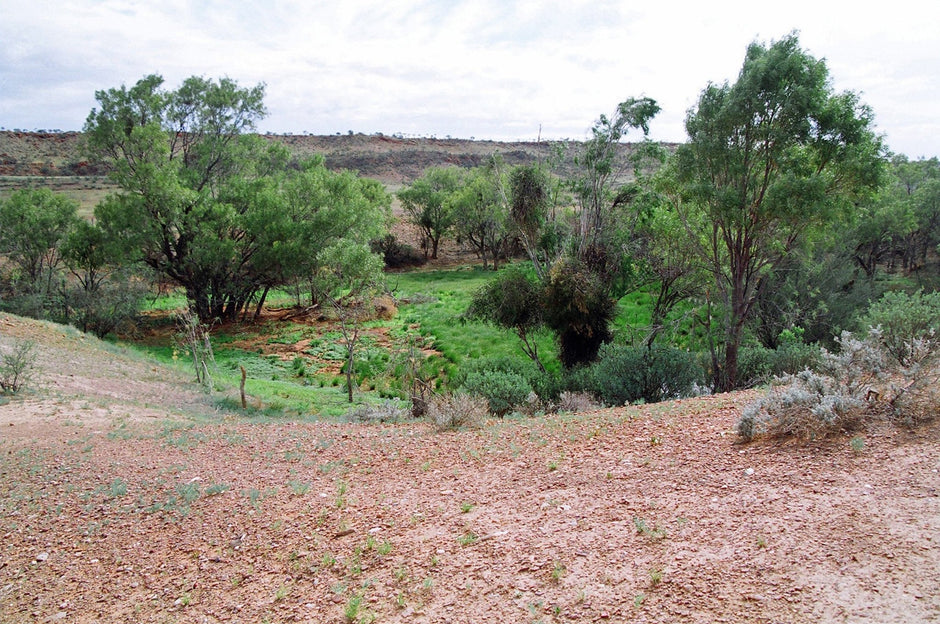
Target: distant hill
{"points": [[393, 160]]}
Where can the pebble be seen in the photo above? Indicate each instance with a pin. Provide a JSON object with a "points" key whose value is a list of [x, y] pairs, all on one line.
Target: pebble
{"points": [[42, 556], [749, 471]]}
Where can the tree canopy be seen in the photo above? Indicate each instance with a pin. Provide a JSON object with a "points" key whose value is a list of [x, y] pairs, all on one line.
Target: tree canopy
{"points": [[768, 159]]}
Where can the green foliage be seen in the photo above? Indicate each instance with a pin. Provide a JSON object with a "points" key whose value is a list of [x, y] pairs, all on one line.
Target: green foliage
{"points": [[624, 374], [481, 212], [213, 208], [770, 159], [503, 390], [18, 367], [579, 310], [511, 301], [907, 321], [33, 225], [426, 203]]}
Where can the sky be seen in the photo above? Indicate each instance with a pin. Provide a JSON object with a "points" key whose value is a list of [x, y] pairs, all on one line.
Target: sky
{"points": [[483, 69]]}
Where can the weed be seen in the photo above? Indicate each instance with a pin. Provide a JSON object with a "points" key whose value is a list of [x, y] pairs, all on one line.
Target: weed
{"points": [[353, 606], [553, 465], [558, 571], [638, 600], [217, 488], [656, 576], [384, 548], [400, 601], [857, 444], [468, 538], [118, 488], [643, 529], [761, 542], [189, 492], [298, 488], [327, 560], [282, 592], [465, 507]]}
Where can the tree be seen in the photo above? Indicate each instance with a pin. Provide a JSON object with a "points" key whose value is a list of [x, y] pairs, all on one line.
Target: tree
{"points": [[529, 197], [178, 156], [349, 280], [600, 186], [481, 213], [769, 158], [216, 210], [33, 225], [513, 302], [426, 204]]}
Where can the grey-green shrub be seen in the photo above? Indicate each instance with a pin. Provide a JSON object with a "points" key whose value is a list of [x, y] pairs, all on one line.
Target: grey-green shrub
{"points": [[503, 390], [625, 374]]}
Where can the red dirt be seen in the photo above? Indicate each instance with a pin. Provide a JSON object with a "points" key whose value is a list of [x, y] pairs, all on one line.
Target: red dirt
{"points": [[639, 514]]}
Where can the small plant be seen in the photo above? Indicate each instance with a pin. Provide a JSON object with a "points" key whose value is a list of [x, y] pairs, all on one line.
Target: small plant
{"points": [[282, 592], [189, 492], [656, 576], [457, 410], [217, 488], [468, 538], [384, 548], [352, 608], [465, 507], [327, 560], [857, 444], [761, 542], [638, 600], [643, 529], [298, 488], [18, 367], [118, 488], [558, 571]]}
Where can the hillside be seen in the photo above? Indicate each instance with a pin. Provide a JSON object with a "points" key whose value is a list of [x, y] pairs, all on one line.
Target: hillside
{"points": [[392, 160], [125, 495]]}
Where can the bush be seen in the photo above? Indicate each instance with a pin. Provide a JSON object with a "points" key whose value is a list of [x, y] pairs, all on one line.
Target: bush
{"points": [[387, 411], [18, 367], [864, 380], [625, 374], [452, 411], [905, 320], [758, 364], [397, 254], [503, 390], [574, 402]]}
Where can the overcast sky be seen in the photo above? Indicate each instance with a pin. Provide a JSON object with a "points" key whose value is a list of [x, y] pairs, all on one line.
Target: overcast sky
{"points": [[493, 69]]}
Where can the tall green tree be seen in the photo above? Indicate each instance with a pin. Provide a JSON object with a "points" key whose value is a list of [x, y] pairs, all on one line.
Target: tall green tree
{"points": [[768, 159], [176, 156], [480, 209], [427, 207]]}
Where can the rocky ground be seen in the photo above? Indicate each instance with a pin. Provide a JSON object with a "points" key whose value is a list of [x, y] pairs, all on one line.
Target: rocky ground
{"points": [[127, 496]]}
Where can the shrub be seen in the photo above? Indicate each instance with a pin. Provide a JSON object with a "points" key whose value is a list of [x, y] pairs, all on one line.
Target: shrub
{"points": [[387, 411], [503, 390], [397, 254], [758, 364], [452, 411], [904, 320], [574, 402], [862, 381], [17, 368], [625, 374]]}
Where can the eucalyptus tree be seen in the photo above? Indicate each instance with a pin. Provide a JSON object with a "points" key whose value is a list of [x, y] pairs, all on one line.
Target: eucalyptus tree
{"points": [[769, 158]]}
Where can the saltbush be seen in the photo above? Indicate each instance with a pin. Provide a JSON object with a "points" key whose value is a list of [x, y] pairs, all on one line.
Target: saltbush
{"points": [[625, 374], [503, 390], [862, 381]]}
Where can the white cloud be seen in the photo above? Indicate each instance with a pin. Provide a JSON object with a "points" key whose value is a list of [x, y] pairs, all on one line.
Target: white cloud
{"points": [[484, 68]]}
